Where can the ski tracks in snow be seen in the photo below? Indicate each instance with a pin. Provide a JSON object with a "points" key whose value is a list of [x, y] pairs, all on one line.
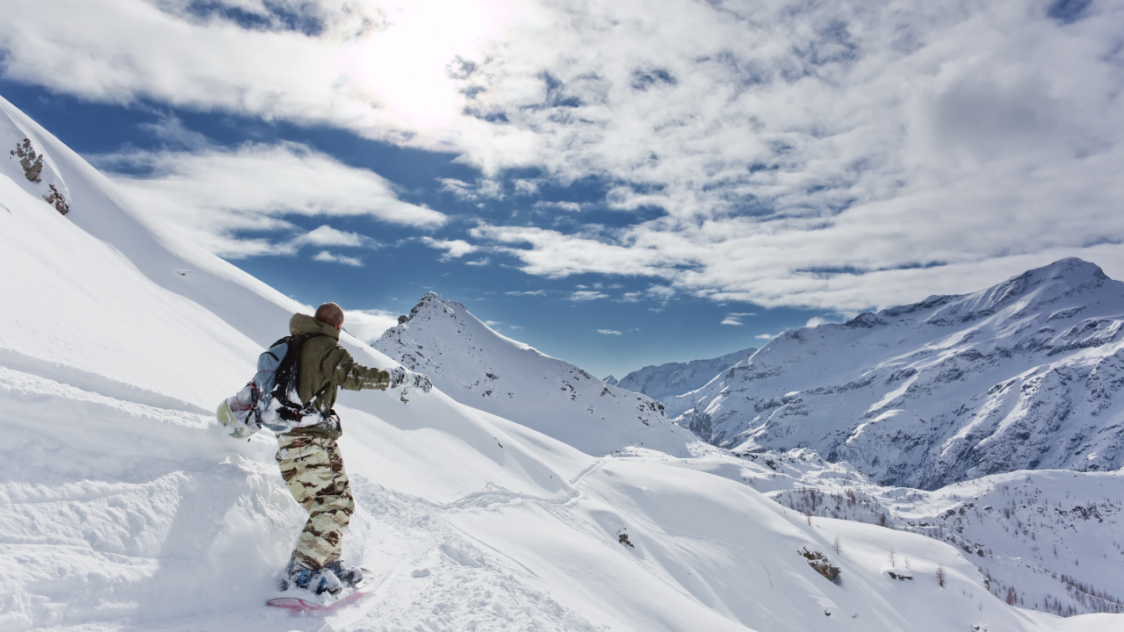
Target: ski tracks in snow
{"points": [[439, 578]]}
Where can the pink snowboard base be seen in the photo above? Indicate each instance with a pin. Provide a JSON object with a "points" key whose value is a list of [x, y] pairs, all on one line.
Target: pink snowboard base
{"points": [[296, 605]]}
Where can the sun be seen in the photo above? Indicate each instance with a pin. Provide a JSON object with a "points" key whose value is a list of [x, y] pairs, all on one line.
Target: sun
{"points": [[404, 69]]}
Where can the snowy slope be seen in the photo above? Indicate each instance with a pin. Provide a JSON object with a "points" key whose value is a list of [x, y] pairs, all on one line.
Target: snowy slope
{"points": [[1053, 537], [674, 383], [1023, 375], [124, 508], [481, 368]]}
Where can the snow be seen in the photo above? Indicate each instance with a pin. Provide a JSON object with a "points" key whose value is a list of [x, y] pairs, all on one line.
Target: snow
{"points": [[125, 506]]}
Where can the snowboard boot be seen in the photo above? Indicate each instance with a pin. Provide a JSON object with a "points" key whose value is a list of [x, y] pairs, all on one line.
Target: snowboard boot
{"points": [[319, 581], [350, 576]]}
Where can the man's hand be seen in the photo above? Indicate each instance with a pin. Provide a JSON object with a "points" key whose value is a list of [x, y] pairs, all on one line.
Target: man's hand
{"points": [[400, 376]]}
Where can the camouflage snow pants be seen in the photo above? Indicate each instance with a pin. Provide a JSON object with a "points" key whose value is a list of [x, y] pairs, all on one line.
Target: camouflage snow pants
{"points": [[313, 471]]}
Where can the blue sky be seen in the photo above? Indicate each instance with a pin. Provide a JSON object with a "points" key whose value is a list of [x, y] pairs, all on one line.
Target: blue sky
{"points": [[393, 276], [617, 184]]}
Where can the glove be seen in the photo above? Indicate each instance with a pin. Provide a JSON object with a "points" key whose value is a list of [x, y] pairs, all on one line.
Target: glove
{"points": [[423, 382], [401, 376]]}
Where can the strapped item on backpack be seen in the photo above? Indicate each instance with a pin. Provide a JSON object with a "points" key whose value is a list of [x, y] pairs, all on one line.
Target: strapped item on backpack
{"points": [[270, 399]]}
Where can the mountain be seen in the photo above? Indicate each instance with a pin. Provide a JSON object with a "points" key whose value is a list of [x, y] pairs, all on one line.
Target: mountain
{"points": [[1023, 375], [481, 368], [125, 507], [674, 383]]}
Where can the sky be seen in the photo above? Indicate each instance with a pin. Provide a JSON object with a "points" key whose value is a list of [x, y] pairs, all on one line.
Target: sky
{"points": [[617, 184]]}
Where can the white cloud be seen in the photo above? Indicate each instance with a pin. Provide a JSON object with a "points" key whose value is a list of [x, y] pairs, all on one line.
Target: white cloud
{"points": [[569, 207], [454, 248], [124, 51], [327, 236], [661, 293], [328, 257], [735, 318], [766, 336], [609, 332], [368, 325], [482, 262], [816, 321], [527, 293], [582, 296], [524, 186], [631, 297], [213, 194], [468, 192]]}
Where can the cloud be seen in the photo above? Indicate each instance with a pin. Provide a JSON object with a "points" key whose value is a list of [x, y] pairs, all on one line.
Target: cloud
{"points": [[482, 262], [307, 62], [368, 325], [661, 293], [834, 155], [582, 296], [328, 257], [524, 186], [816, 321], [766, 336], [569, 207], [527, 293], [327, 236], [830, 157], [171, 130], [735, 318], [468, 192], [454, 248], [214, 194], [609, 332]]}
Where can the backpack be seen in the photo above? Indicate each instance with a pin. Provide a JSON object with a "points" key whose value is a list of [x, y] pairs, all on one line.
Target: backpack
{"points": [[270, 399]]}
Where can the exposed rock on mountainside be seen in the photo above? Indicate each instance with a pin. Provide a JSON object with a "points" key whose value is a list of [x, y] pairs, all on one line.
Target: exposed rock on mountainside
{"points": [[481, 368], [1023, 375], [674, 383], [31, 164]]}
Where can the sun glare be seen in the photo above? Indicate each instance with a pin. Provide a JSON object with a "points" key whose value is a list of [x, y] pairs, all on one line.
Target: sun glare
{"points": [[405, 67]]}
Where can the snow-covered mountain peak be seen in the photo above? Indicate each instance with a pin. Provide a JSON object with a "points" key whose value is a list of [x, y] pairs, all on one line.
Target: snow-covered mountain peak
{"points": [[1064, 281], [482, 368]]}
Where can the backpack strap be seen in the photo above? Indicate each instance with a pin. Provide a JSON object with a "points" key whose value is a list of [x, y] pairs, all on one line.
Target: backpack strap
{"points": [[285, 389]]}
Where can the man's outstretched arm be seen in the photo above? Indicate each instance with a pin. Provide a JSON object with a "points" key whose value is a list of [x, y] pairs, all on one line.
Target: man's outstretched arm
{"points": [[353, 376]]}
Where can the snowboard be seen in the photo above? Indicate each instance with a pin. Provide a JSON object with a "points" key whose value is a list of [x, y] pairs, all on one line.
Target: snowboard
{"points": [[310, 606], [314, 604]]}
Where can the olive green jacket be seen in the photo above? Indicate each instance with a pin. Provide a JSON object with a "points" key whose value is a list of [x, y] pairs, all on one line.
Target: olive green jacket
{"points": [[325, 367]]}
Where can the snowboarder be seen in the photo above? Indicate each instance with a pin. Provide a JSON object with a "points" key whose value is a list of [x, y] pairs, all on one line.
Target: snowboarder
{"points": [[309, 458]]}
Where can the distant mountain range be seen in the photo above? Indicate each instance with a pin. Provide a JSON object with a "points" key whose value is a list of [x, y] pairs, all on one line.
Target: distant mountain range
{"points": [[674, 383], [1023, 375]]}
